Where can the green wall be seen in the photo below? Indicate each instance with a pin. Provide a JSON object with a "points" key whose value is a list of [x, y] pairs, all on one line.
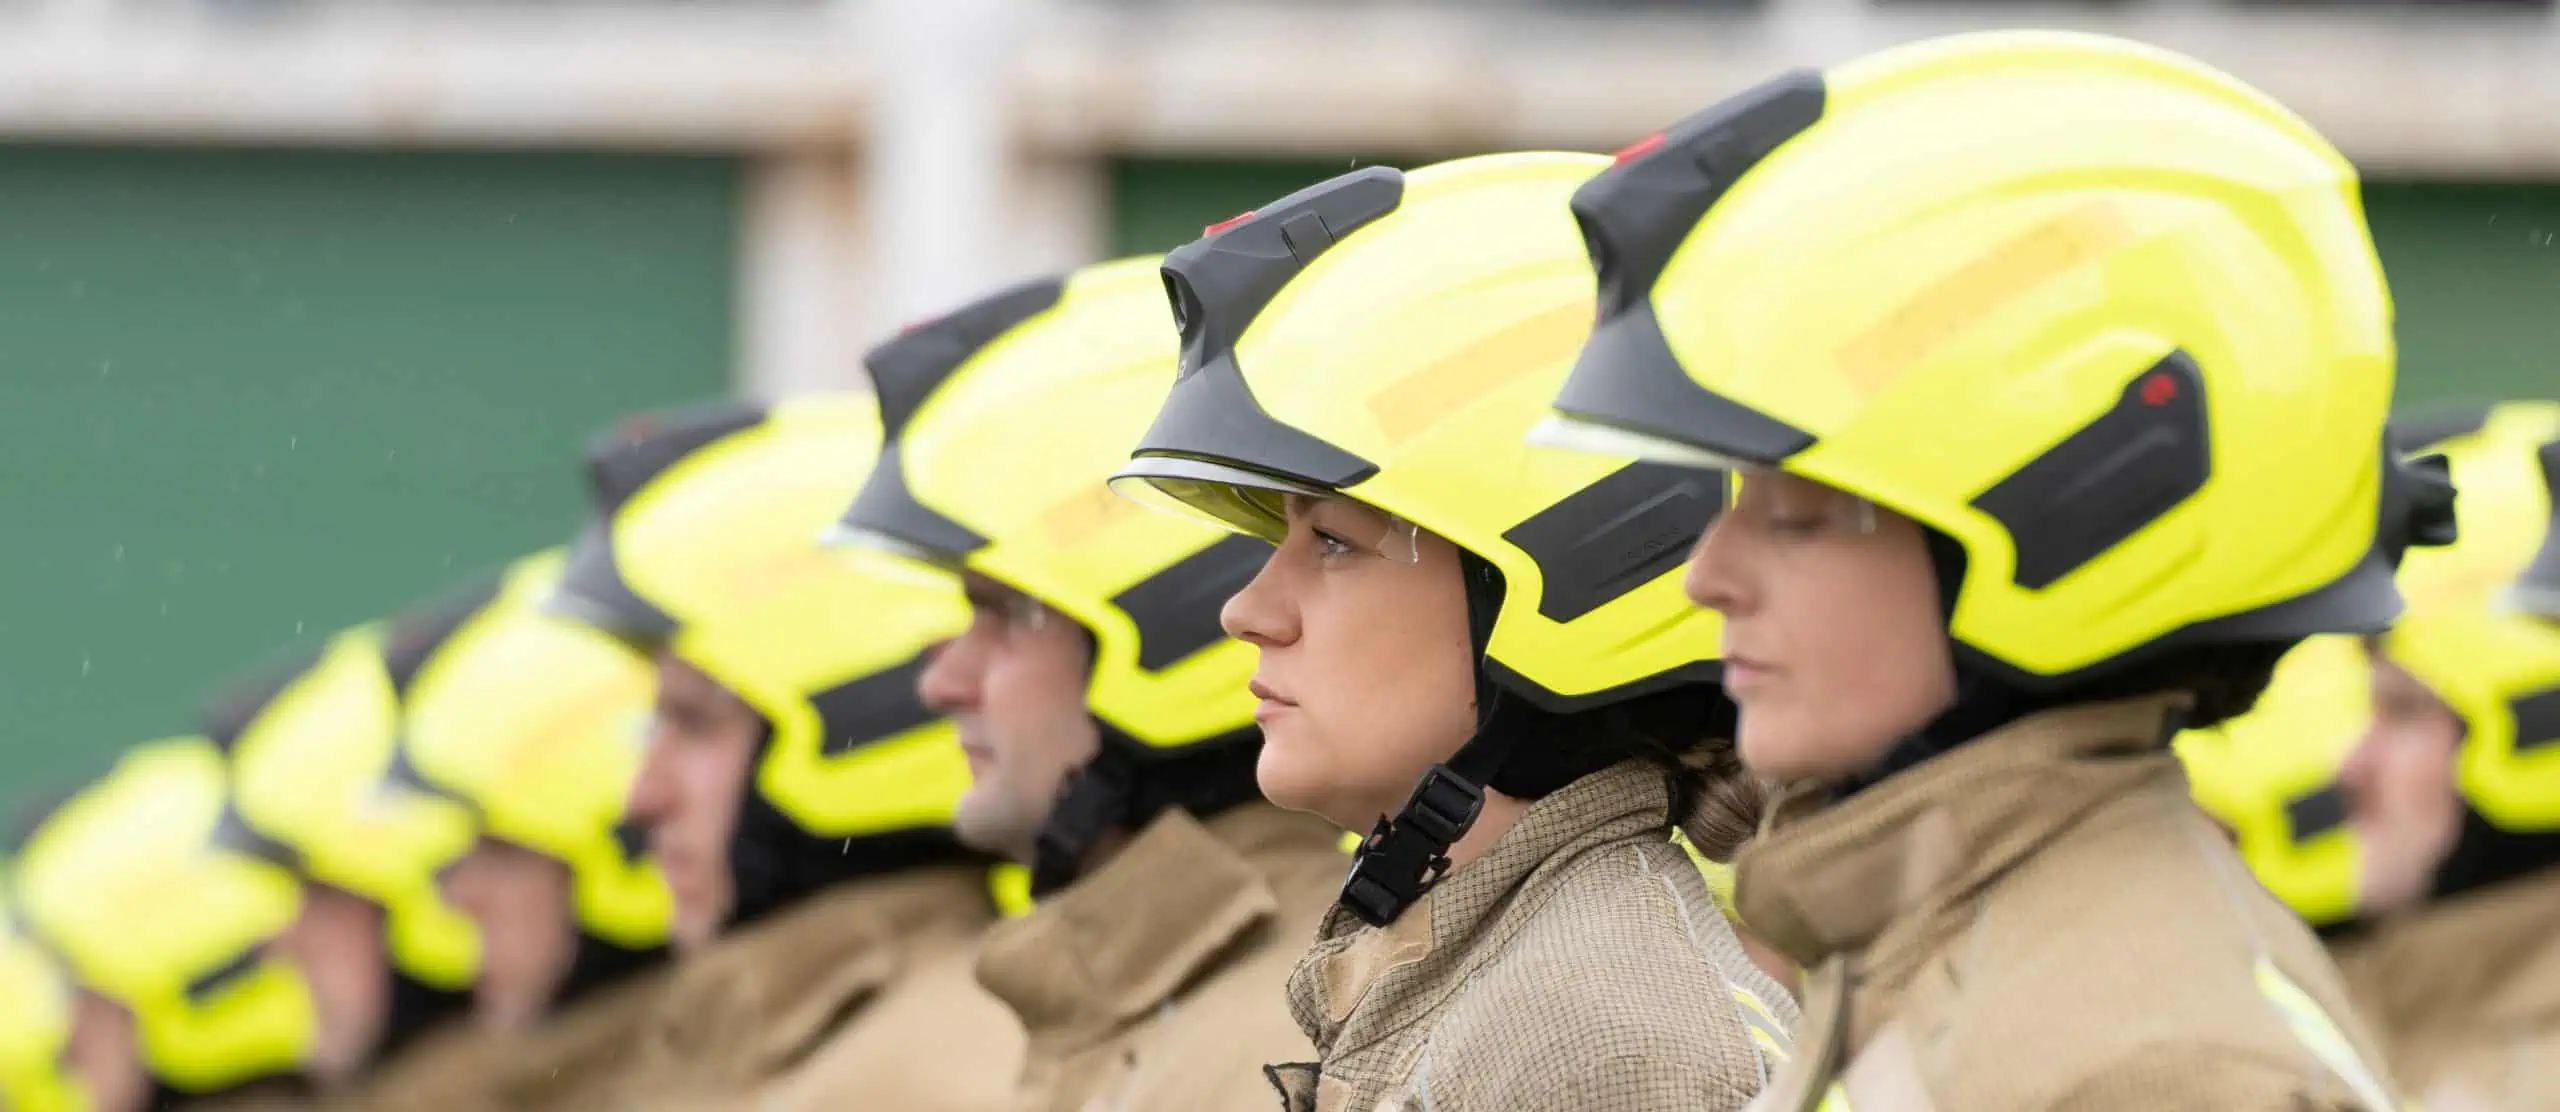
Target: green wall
{"points": [[2475, 269], [2476, 277], [247, 397]]}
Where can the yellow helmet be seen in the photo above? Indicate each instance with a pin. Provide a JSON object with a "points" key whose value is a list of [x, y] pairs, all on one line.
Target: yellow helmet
{"points": [[706, 545], [129, 883], [1392, 338], [535, 722], [2473, 637], [2537, 591], [2271, 776], [2128, 345], [35, 1028], [1006, 418], [310, 758], [2505, 505]]}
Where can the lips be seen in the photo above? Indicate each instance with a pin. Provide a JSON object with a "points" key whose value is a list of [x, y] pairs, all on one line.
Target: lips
{"points": [[1741, 673], [973, 745], [1273, 704]]}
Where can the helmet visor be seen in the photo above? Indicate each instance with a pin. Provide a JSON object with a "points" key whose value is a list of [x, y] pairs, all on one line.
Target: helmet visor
{"points": [[1258, 504]]}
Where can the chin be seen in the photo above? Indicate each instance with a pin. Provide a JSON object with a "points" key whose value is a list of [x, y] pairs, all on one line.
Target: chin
{"points": [[689, 932], [983, 824], [1785, 747], [1769, 749], [1287, 779]]}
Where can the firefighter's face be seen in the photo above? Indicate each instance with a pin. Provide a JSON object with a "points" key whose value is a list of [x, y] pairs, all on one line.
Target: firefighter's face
{"points": [[1366, 674], [1013, 684], [520, 901], [703, 743], [2399, 784], [1833, 641], [337, 943], [106, 1056]]}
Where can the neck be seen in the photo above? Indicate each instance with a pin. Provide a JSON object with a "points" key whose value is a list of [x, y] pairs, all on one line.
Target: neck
{"points": [[1499, 814]]}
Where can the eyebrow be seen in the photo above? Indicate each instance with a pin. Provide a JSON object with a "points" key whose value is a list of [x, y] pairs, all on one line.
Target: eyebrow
{"points": [[981, 591]]}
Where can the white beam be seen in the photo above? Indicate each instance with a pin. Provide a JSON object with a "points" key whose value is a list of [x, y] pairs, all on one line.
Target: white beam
{"points": [[940, 147], [2433, 91], [683, 78], [801, 289], [2439, 92]]}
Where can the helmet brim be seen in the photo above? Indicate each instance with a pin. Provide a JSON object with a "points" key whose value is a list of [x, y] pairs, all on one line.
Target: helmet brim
{"points": [[1226, 495]]}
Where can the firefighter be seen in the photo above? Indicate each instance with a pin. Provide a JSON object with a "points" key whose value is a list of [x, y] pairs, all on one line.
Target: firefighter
{"points": [[2055, 369], [2422, 833], [1110, 742], [310, 748], [533, 723], [175, 940], [1473, 653], [794, 791]]}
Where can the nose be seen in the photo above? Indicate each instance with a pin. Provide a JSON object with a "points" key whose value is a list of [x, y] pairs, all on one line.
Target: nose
{"points": [[653, 791], [461, 885], [950, 680], [1711, 580], [2364, 762], [1260, 614]]}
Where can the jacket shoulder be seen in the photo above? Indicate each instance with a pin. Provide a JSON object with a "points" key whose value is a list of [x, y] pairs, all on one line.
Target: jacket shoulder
{"points": [[815, 956], [1206, 1047], [1605, 983], [2125, 950], [2210, 1077]]}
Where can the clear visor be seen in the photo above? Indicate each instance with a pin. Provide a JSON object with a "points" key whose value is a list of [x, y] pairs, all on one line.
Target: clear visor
{"points": [[1018, 611], [1221, 495], [894, 558], [2535, 600], [1764, 497], [1339, 525], [1569, 434], [1263, 506], [1777, 503]]}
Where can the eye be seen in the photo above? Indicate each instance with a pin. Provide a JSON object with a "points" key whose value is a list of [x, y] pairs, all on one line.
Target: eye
{"points": [[1796, 525], [1330, 547]]}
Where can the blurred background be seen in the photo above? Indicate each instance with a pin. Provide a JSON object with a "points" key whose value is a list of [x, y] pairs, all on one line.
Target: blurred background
{"points": [[307, 306]]}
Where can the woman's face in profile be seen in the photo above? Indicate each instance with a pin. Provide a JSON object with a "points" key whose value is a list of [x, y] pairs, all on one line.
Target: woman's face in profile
{"points": [[1367, 675]]}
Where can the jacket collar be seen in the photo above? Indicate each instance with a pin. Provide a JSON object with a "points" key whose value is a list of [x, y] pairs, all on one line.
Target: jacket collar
{"points": [[762, 998], [2478, 962], [1453, 928], [1119, 943], [1826, 877]]}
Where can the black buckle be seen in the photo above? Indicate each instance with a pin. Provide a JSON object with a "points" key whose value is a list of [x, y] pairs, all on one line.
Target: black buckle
{"points": [[1443, 806], [1403, 857]]}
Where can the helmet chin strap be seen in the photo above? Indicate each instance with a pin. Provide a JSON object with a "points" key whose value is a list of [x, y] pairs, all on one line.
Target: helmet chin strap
{"points": [[597, 964], [774, 863], [1127, 784], [414, 1009]]}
